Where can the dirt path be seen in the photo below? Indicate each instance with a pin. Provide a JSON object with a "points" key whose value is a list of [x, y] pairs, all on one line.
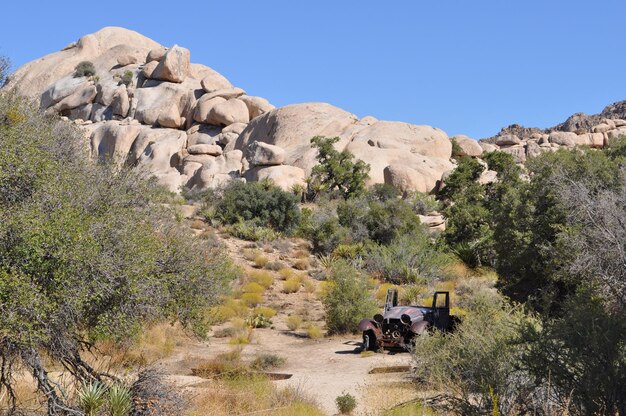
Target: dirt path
{"points": [[323, 368]]}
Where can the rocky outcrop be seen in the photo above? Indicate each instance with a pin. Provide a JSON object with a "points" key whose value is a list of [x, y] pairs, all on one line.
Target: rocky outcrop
{"points": [[149, 106]]}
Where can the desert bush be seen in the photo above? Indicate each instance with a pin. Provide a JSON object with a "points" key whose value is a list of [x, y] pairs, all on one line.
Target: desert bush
{"points": [[422, 203], [259, 320], [323, 230], [127, 78], [113, 256], [252, 287], [275, 265], [248, 230], [262, 277], [265, 311], [252, 298], [301, 264], [286, 272], [336, 171], [382, 192], [346, 403], [478, 365], [308, 285], [294, 322], [292, 285], [153, 395], [5, 64], [314, 332], [84, 69], [348, 299], [260, 261], [409, 258], [266, 362], [259, 203]]}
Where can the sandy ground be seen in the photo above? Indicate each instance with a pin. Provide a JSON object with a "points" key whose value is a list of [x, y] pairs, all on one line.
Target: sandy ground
{"points": [[324, 368]]}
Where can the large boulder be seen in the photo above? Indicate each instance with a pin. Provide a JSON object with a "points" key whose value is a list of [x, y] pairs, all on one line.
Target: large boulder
{"points": [[563, 138], [203, 134], [469, 146], [263, 154], [113, 141], [64, 87], [228, 112], [422, 140], [292, 128], [283, 176], [204, 106], [508, 140], [174, 66], [164, 97], [217, 171], [256, 105], [102, 48], [85, 94], [149, 135]]}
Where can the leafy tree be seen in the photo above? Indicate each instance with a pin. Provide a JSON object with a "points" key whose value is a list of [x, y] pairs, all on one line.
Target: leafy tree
{"points": [[87, 252], [336, 171]]}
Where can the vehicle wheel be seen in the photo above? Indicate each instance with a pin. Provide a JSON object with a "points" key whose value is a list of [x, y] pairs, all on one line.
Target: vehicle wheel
{"points": [[369, 341]]}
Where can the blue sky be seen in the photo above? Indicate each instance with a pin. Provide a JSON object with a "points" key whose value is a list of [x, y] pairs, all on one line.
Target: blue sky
{"points": [[468, 67]]}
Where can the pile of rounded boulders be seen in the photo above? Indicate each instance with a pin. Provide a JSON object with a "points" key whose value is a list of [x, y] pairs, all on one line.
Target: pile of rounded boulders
{"points": [[148, 106]]}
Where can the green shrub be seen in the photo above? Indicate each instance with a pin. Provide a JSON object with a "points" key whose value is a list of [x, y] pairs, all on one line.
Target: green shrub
{"points": [[478, 365], [92, 398], [266, 362], [259, 203], [324, 231], [336, 171], [259, 320], [248, 230], [127, 78], [347, 300], [84, 69], [119, 401], [346, 403], [423, 203], [409, 258], [382, 192], [291, 285]]}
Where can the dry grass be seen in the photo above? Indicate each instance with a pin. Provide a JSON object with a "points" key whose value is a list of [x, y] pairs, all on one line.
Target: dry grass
{"points": [[381, 292], [301, 254], [229, 309], [250, 394], [28, 400], [309, 286], [262, 277], [252, 299], [155, 343], [324, 288], [291, 285], [381, 400], [260, 261], [250, 254], [252, 287], [286, 272], [314, 332], [265, 311], [294, 322], [198, 224], [301, 264]]}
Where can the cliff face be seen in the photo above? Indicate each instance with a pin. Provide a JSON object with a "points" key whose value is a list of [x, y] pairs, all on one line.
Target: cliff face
{"points": [[142, 104]]}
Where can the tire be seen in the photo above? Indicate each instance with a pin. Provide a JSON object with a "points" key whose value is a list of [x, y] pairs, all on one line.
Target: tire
{"points": [[369, 341]]}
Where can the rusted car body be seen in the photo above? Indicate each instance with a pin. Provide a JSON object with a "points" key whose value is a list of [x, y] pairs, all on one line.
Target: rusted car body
{"points": [[398, 325]]}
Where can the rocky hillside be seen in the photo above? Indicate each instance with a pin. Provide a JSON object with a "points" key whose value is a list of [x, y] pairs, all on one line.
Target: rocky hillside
{"points": [[146, 105], [579, 129]]}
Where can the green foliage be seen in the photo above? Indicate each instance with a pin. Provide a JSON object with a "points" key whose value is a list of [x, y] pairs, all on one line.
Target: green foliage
{"points": [[259, 203], [120, 401], [84, 69], [457, 150], [348, 299], [581, 356], [382, 192], [422, 203], [477, 364], [92, 398], [336, 171], [346, 403], [409, 258], [87, 251], [248, 230], [266, 362], [323, 230], [127, 78]]}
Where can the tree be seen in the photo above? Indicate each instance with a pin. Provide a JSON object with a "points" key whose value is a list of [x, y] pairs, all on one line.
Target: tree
{"points": [[87, 252], [336, 171]]}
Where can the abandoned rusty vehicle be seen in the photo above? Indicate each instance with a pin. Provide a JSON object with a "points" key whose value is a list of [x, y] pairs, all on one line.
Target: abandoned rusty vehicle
{"points": [[398, 325]]}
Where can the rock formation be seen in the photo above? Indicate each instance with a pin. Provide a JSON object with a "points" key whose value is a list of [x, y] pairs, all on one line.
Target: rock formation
{"points": [[149, 106]]}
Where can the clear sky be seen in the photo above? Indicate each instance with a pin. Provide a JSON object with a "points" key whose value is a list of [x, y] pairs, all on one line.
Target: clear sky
{"points": [[468, 67]]}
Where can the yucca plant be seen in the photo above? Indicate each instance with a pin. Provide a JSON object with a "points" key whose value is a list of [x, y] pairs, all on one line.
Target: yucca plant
{"points": [[92, 397], [120, 401]]}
